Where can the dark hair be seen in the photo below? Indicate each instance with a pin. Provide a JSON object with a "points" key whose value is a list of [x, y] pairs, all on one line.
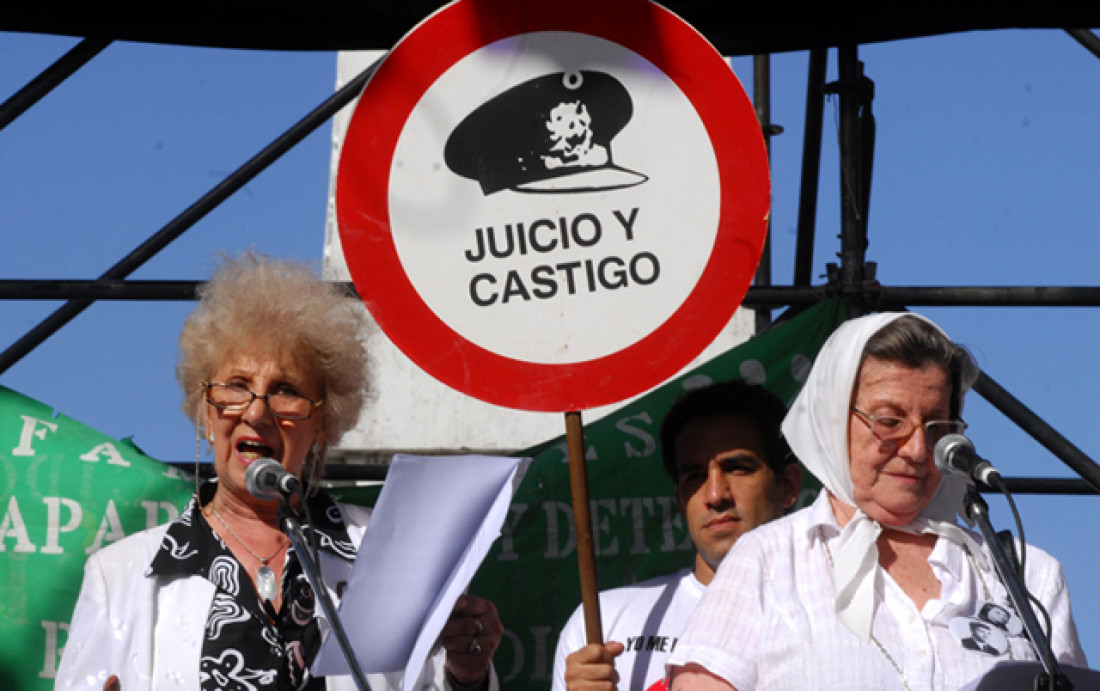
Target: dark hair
{"points": [[917, 343], [731, 399], [989, 607]]}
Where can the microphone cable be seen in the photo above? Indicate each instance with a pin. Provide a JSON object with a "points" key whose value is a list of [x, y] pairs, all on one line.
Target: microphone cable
{"points": [[1021, 561]]}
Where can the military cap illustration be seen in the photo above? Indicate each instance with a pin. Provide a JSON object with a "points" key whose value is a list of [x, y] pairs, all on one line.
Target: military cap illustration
{"points": [[549, 134]]}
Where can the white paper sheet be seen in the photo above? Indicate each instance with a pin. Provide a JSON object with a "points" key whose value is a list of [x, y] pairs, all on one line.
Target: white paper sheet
{"points": [[432, 526]]}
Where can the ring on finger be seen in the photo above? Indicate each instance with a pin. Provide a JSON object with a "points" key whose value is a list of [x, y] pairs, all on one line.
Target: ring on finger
{"points": [[475, 647], [477, 627]]}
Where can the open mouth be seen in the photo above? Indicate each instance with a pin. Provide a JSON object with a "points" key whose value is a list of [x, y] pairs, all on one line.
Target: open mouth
{"points": [[252, 450]]}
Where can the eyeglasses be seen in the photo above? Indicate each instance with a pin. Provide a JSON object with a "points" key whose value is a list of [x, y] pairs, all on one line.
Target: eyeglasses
{"points": [[235, 399], [895, 431]]}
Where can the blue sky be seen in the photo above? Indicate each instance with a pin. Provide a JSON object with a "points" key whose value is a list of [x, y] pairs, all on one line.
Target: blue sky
{"points": [[986, 173]]}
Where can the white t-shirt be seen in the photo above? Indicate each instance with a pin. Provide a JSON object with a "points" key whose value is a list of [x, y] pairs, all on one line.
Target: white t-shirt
{"points": [[647, 618], [768, 622]]}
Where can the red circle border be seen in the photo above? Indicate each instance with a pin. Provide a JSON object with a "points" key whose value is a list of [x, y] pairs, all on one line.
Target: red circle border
{"points": [[362, 205]]}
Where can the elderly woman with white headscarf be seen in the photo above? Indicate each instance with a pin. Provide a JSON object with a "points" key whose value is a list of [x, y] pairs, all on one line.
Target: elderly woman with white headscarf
{"points": [[875, 584]]}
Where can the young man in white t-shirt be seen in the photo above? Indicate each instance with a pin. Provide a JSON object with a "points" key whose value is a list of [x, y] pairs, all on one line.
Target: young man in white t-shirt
{"points": [[732, 471]]}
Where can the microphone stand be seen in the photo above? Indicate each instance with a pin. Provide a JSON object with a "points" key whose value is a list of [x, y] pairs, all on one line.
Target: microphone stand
{"points": [[1051, 678], [288, 519]]}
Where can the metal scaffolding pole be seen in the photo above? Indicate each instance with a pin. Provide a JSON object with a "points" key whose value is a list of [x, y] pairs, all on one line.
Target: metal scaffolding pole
{"points": [[770, 297], [1086, 38], [44, 83], [1028, 421], [189, 217], [854, 180], [811, 167], [762, 102]]}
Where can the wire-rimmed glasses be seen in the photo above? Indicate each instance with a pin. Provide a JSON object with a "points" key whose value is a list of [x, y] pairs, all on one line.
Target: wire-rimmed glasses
{"points": [[235, 399], [895, 431]]}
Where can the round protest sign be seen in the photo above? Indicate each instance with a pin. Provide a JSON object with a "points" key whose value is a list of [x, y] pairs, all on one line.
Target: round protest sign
{"points": [[552, 205]]}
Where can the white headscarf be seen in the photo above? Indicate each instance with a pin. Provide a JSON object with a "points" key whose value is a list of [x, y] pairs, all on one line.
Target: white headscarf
{"points": [[817, 430]]}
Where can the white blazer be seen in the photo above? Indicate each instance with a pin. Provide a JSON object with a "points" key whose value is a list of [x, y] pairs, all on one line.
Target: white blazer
{"points": [[149, 630]]}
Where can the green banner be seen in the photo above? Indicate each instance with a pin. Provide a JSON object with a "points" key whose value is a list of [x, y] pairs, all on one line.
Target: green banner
{"points": [[70, 490]]}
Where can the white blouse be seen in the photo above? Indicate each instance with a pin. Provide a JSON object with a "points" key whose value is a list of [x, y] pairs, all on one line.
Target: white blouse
{"points": [[768, 619]]}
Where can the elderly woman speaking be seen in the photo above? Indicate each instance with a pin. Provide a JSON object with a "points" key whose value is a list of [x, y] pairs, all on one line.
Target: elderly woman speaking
{"points": [[272, 365], [875, 584]]}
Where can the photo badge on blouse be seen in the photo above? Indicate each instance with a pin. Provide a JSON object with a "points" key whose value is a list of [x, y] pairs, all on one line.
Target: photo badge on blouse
{"points": [[986, 628]]}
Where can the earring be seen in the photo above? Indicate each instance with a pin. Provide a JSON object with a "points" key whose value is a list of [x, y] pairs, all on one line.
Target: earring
{"points": [[210, 438]]}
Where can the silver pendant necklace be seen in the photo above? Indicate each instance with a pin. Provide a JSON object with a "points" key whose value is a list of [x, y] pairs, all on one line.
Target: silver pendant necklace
{"points": [[265, 577]]}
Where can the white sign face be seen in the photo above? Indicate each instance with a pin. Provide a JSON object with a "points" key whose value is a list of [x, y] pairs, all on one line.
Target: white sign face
{"points": [[556, 276], [552, 205]]}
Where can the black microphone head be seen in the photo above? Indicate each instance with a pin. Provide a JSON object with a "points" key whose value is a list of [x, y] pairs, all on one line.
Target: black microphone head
{"points": [[947, 449], [262, 478]]}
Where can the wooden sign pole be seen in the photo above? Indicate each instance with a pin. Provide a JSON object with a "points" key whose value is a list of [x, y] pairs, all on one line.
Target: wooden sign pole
{"points": [[586, 552]]}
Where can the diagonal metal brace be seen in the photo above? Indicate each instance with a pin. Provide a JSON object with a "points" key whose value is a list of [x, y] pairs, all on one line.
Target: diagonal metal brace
{"points": [[1037, 428], [190, 216]]}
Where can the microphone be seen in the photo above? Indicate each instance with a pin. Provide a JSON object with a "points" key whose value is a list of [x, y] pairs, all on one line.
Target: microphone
{"points": [[266, 478], [955, 454]]}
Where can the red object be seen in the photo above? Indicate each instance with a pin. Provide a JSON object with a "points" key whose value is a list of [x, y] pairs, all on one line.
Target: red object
{"points": [[363, 215]]}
